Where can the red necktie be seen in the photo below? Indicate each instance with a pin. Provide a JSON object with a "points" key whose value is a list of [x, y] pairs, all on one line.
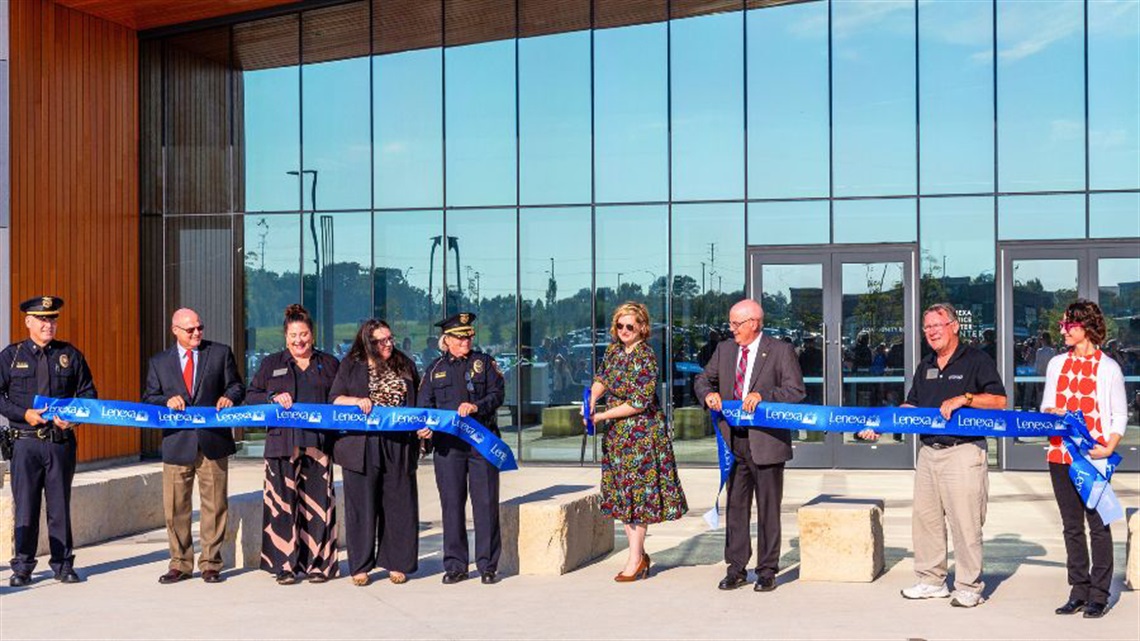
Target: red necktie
{"points": [[741, 367], [188, 373]]}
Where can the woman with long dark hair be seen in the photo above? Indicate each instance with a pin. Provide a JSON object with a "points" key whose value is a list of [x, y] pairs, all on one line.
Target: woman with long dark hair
{"points": [[300, 522], [1084, 378], [380, 494]]}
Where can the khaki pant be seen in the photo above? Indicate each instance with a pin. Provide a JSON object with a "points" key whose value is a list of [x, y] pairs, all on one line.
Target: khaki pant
{"points": [[950, 486], [177, 491]]}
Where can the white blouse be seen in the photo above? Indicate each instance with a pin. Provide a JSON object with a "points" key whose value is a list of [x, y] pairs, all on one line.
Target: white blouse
{"points": [[1110, 395]]}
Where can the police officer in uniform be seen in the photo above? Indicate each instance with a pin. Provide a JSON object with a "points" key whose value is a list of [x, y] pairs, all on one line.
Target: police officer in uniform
{"points": [[43, 458], [470, 383]]}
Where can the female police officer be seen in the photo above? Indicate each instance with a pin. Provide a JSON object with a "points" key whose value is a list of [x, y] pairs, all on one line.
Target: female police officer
{"points": [[468, 382]]}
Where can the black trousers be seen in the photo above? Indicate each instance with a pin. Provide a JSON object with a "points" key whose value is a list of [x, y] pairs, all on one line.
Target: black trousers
{"points": [[1085, 585], [765, 483], [43, 469], [457, 468], [382, 517]]}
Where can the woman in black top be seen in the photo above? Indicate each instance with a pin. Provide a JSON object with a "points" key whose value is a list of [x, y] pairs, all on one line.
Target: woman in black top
{"points": [[380, 495], [299, 514]]}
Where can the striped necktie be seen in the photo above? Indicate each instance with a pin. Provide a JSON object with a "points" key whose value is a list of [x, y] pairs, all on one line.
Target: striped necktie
{"points": [[741, 367]]}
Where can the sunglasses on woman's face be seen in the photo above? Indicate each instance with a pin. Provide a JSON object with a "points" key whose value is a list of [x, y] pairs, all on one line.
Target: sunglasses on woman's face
{"points": [[628, 328], [1068, 326]]}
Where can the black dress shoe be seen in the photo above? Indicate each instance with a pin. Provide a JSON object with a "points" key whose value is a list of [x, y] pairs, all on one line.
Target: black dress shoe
{"points": [[173, 576], [1095, 610], [211, 576], [489, 577], [732, 581], [67, 576], [19, 580], [454, 577], [765, 584], [1072, 606]]}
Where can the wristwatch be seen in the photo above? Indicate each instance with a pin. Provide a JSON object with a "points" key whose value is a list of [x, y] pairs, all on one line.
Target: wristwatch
{"points": [[969, 399]]}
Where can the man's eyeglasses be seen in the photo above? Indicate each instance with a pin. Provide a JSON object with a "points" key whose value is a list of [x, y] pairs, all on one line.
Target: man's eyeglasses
{"points": [[383, 341], [192, 330], [735, 325], [933, 327], [1068, 326], [629, 328]]}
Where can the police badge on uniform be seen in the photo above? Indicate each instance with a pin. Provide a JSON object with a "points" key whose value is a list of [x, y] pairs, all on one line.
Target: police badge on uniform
{"points": [[64, 361], [477, 367]]}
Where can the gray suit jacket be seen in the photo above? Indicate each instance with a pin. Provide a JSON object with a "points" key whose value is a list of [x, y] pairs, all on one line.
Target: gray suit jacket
{"points": [[775, 375]]}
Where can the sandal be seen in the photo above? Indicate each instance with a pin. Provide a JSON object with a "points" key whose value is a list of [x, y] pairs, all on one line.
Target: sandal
{"points": [[361, 580], [317, 577], [397, 577], [286, 578]]}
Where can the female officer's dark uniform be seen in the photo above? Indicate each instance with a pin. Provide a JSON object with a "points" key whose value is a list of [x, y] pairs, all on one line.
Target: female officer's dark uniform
{"points": [[447, 382], [43, 457]]}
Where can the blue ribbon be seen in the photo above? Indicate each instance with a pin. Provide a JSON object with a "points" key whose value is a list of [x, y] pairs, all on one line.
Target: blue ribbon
{"points": [[1090, 477], [586, 411], [341, 418]]}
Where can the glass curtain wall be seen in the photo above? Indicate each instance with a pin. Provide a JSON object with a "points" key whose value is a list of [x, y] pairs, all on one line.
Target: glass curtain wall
{"points": [[538, 162]]}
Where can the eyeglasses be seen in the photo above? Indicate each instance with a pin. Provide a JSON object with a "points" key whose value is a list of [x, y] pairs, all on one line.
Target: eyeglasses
{"points": [[629, 328], [934, 327], [383, 341], [735, 325], [192, 330], [1068, 326]]}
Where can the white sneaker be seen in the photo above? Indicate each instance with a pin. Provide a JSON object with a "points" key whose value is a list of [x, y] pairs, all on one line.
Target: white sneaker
{"points": [[926, 591], [964, 599]]}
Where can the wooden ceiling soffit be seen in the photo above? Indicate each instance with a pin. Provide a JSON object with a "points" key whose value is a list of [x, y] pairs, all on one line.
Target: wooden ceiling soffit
{"points": [[141, 15]]}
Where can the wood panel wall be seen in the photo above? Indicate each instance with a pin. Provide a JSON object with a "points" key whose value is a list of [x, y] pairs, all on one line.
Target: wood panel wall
{"points": [[75, 210]]}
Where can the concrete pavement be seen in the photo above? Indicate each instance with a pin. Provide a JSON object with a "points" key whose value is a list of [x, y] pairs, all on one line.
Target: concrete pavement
{"points": [[1025, 576]]}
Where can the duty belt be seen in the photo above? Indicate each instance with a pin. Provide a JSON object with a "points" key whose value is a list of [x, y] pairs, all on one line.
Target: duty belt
{"points": [[43, 433]]}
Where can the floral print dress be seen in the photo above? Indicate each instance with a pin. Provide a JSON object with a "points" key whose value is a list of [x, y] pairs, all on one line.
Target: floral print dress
{"points": [[639, 473]]}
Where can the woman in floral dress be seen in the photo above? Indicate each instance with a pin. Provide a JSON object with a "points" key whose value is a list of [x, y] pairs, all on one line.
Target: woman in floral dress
{"points": [[639, 473]]}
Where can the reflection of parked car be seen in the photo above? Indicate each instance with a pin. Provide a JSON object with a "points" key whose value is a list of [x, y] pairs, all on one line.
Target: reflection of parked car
{"points": [[583, 350]]}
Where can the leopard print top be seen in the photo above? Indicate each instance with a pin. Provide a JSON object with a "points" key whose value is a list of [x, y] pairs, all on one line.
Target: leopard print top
{"points": [[386, 388]]}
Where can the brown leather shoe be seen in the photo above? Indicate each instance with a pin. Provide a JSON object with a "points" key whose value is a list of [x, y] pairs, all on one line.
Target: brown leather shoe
{"points": [[173, 576], [211, 576]]}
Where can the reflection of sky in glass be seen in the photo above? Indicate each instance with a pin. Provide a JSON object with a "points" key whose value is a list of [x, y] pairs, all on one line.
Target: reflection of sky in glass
{"points": [[486, 281], [559, 233], [408, 120], [480, 128], [280, 236], [788, 133], [1113, 272], [867, 278], [336, 135], [1114, 215], [1040, 95], [403, 242], [272, 114], [874, 100], [946, 249], [630, 111], [708, 103], [956, 96], [708, 246], [791, 223], [342, 298], [632, 249], [1053, 274], [1114, 94], [1041, 217], [554, 118], [875, 221]]}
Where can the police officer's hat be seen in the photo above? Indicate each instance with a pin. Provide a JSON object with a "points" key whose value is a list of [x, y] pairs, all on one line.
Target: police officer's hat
{"points": [[459, 325], [42, 306]]}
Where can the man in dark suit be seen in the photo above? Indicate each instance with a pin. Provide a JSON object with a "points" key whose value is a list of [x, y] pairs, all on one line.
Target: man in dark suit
{"points": [[194, 372], [752, 368]]}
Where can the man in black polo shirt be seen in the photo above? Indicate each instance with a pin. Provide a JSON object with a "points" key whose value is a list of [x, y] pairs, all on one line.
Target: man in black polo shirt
{"points": [[950, 478]]}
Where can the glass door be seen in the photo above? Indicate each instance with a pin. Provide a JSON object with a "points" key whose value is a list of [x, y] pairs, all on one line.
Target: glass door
{"points": [[1038, 281], [847, 313]]}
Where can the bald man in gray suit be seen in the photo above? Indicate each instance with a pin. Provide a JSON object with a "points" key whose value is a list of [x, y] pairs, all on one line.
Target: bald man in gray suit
{"points": [[752, 368]]}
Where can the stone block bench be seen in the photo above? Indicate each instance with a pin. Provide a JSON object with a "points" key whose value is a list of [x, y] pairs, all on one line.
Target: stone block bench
{"points": [[1132, 571], [690, 423], [841, 539], [105, 504], [553, 535], [562, 420]]}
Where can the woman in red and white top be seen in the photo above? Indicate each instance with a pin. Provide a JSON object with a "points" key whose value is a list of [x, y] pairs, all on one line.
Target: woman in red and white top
{"points": [[1084, 378]]}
